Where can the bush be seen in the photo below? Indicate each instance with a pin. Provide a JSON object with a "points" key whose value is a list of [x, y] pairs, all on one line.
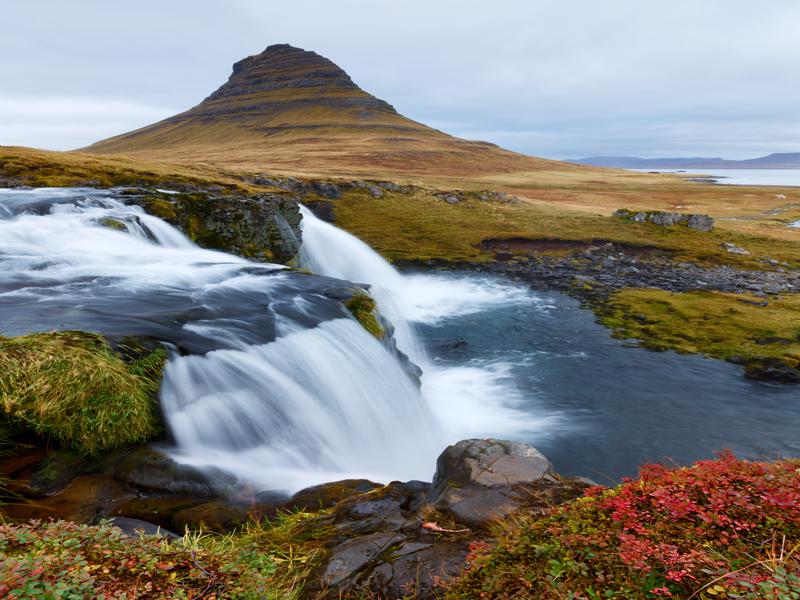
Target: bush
{"points": [[723, 528], [71, 386], [64, 560]]}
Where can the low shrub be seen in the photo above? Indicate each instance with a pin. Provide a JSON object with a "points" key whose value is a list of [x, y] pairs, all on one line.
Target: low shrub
{"points": [[64, 560], [724, 528], [72, 387]]}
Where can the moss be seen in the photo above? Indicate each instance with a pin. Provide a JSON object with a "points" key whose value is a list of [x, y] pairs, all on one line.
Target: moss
{"points": [[161, 209], [72, 387], [364, 308], [113, 224], [717, 324]]}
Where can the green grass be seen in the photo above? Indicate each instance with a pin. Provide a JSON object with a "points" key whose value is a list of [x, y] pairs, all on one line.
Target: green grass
{"points": [[717, 324], [420, 226], [364, 308], [71, 386]]}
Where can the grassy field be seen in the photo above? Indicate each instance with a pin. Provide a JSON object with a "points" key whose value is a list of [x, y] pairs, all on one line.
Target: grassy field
{"points": [[713, 323]]}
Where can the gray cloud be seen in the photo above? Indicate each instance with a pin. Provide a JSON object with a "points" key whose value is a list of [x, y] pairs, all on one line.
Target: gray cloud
{"points": [[555, 78]]}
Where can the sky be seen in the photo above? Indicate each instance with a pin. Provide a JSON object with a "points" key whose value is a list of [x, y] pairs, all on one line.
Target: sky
{"points": [[560, 78]]}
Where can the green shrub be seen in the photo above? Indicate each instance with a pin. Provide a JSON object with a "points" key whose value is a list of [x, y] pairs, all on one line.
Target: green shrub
{"points": [[72, 387]]}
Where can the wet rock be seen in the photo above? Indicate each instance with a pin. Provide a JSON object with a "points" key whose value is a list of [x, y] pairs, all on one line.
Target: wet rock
{"points": [[149, 469], [327, 495], [265, 227], [322, 210], [772, 369], [217, 516], [350, 557], [734, 249], [475, 479], [415, 569], [138, 528], [55, 472]]}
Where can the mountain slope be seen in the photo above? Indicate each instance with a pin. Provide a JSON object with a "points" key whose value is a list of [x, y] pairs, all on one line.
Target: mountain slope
{"points": [[291, 110]]}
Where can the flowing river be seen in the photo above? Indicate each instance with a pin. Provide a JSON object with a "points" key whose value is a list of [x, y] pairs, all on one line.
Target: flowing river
{"points": [[270, 378]]}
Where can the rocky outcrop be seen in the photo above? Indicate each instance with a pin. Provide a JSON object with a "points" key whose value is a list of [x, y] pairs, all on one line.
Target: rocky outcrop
{"points": [[667, 219], [477, 481], [265, 227]]}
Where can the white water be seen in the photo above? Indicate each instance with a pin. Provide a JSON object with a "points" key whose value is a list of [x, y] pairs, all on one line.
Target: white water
{"points": [[471, 400], [319, 403]]}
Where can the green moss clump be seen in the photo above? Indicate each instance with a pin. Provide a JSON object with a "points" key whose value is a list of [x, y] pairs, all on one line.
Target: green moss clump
{"points": [[717, 324], [113, 224], [71, 386], [364, 308]]}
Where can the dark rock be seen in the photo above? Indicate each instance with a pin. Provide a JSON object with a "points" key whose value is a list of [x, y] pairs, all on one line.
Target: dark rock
{"points": [[374, 191], [149, 469], [700, 223], [350, 557], [138, 528], [55, 472], [327, 495], [322, 209], [327, 189], [772, 369], [218, 516]]}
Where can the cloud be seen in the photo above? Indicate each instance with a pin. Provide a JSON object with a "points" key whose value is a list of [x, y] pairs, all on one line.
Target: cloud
{"points": [[553, 77]]}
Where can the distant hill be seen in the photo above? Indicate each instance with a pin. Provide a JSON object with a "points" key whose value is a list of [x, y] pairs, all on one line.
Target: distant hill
{"points": [[785, 160], [292, 110]]}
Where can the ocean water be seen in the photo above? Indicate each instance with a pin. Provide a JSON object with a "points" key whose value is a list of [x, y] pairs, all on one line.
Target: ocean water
{"points": [[777, 177]]}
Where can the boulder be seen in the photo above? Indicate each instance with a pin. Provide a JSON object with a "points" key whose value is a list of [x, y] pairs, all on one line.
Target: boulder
{"points": [[149, 469], [700, 223], [327, 495], [477, 481], [734, 249]]}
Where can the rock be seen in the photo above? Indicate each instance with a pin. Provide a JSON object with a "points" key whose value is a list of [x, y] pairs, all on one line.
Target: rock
{"points": [[322, 209], [55, 472], [415, 569], [350, 557], [149, 469], [667, 219], [450, 199], [327, 495], [374, 191], [733, 248], [700, 223], [217, 516], [138, 528], [772, 369], [326, 189], [475, 479]]}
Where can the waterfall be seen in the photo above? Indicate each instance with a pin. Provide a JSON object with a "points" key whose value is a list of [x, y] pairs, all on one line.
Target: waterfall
{"points": [[469, 400], [269, 378]]}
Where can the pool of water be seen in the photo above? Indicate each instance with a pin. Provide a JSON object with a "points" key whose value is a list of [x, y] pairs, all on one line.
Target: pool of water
{"points": [[778, 177], [600, 407]]}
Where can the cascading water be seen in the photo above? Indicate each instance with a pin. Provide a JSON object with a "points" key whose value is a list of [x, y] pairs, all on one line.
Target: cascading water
{"points": [[469, 400], [269, 376]]}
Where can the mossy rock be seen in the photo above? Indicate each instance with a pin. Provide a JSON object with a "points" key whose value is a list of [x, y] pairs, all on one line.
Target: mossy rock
{"points": [[365, 310]]}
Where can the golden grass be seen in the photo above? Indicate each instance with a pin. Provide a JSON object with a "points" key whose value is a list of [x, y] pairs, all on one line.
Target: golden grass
{"points": [[70, 386]]}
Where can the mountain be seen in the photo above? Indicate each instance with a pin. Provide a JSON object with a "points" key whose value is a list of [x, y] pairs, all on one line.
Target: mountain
{"points": [[785, 160], [292, 110]]}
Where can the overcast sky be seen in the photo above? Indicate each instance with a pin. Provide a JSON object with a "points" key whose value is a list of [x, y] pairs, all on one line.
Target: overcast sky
{"points": [[560, 78]]}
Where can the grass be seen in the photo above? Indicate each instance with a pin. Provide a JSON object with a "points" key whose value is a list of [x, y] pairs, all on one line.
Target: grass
{"points": [[420, 226], [71, 386], [364, 308], [724, 528], [265, 561], [717, 324]]}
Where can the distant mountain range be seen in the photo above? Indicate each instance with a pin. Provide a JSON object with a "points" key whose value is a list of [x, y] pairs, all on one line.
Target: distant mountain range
{"points": [[778, 160]]}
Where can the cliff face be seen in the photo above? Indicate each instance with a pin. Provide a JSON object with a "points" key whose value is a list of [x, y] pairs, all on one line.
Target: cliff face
{"points": [[293, 111]]}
